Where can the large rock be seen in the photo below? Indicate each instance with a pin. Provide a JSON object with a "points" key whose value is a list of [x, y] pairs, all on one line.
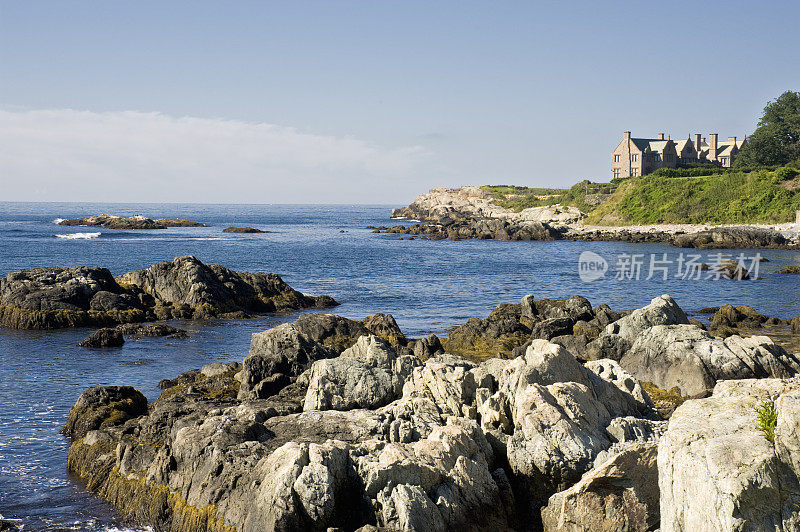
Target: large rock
{"points": [[718, 471], [187, 288], [277, 356], [619, 494], [662, 310], [367, 375], [689, 358]]}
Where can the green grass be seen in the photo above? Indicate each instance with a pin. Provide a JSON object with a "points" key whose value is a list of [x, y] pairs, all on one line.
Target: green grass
{"points": [[767, 416], [729, 196]]}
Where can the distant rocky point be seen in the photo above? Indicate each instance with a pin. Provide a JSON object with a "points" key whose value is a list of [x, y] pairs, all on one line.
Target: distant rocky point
{"points": [[235, 229], [469, 213], [110, 221], [184, 288]]}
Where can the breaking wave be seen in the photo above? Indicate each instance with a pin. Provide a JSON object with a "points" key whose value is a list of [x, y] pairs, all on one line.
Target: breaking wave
{"points": [[58, 220], [78, 236]]}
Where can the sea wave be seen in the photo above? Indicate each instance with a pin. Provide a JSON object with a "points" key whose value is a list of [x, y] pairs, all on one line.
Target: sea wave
{"points": [[58, 220], [78, 236]]}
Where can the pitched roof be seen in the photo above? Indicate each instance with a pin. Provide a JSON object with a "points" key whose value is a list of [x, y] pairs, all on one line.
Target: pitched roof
{"points": [[656, 145]]}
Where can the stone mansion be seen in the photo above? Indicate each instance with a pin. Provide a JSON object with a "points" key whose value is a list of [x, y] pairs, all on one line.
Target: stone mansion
{"points": [[634, 156]]}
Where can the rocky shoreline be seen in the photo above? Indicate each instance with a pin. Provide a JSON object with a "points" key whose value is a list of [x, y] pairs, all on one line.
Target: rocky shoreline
{"points": [[184, 288], [468, 213], [548, 414]]}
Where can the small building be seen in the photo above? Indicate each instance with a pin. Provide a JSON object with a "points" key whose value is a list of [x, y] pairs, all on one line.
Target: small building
{"points": [[640, 156]]}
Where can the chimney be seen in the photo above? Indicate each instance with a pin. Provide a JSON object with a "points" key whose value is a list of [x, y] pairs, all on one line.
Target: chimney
{"points": [[732, 139], [697, 142], [627, 135], [712, 150], [660, 136]]}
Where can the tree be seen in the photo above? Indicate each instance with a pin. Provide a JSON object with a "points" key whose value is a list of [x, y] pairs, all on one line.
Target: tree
{"points": [[776, 140]]}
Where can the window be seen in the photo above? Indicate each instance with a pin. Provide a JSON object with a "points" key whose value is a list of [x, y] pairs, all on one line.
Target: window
{"points": [[635, 157], [616, 158], [634, 172], [615, 172]]}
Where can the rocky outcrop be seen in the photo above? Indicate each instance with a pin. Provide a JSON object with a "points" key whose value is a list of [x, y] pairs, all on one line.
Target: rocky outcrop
{"points": [[304, 436], [109, 221], [105, 337], [185, 288], [48, 298], [732, 238], [689, 358], [236, 229], [571, 322], [103, 406], [151, 330], [718, 471], [478, 229], [790, 269]]}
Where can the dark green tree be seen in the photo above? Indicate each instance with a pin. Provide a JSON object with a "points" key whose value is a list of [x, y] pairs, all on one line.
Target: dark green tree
{"points": [[776, 140]]}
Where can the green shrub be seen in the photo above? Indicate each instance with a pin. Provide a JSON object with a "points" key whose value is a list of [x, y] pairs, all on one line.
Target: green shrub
{"points": [[767, 416]]}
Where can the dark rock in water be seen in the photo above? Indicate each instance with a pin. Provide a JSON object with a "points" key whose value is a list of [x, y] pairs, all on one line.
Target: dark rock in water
{"points": [[109, 221], [151, 330], [732, 238], [731, 269], [235, 229], [103, 406], [48, 298], [794, 325], [105, 337], [185, 288], [482, 229], [790, 269], [708, 310], [741, 316]]}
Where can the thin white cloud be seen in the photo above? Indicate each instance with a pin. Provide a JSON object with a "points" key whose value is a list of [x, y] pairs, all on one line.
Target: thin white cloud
{"points": [[131, 156]]}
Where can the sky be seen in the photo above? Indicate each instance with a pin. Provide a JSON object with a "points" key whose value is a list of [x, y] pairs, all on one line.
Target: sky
{"points": [[367, 101]]}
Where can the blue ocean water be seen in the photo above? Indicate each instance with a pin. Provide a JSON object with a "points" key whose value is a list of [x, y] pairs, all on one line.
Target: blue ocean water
{"points": [[428, 287]]}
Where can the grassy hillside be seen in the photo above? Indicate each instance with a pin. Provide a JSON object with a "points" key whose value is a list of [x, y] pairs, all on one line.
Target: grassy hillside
{"points": [[729, 196], [519, 198]]}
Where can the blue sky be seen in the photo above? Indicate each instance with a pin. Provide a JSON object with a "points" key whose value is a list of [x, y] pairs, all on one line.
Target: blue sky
{"points": [[366, 101]]}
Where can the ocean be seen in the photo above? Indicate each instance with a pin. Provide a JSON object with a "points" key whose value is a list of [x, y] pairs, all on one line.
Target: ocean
{"points": [[428, 286]]}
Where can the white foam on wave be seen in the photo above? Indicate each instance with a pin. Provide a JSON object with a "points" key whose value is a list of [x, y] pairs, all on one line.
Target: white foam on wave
{"points": [[78, 236], [58, 220]]}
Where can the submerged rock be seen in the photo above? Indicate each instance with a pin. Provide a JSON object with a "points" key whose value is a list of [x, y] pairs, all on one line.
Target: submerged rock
{"points": [[151, 330], [235, 229]]}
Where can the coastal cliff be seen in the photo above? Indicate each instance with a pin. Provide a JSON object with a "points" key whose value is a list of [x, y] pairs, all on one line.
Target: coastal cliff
{"points": [[331, 422]]}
